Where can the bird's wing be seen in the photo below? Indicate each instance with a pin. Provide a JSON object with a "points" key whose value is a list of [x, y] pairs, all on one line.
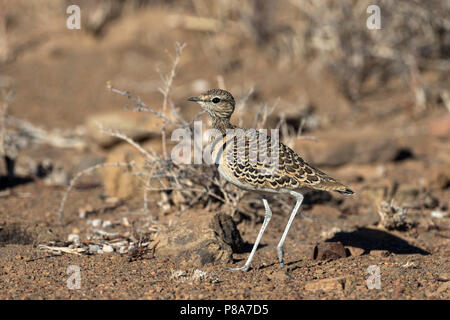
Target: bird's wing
{"points": [[273, 165]]}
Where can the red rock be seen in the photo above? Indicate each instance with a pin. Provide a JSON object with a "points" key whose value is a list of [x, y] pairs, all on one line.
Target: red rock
{"points": [[328, 250], [331, 284]]}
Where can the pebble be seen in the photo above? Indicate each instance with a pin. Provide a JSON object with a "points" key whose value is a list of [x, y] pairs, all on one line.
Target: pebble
{"points": [[330, 284], [379, 253], [437, 214], [107, 224], [122, 249], [96, 223], [125, 222], [75, 238], [93, 248], [107, 248]]}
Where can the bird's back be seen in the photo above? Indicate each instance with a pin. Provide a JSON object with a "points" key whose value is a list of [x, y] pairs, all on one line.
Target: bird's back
{"points": [[259, 162]]}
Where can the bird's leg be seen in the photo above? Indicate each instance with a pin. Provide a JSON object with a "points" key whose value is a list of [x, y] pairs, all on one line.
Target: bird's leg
{"points": [[267, 217], [299, 198]]}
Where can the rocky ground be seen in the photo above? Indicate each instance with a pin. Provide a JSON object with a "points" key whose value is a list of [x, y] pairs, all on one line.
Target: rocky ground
{"points": [[388, 241]]}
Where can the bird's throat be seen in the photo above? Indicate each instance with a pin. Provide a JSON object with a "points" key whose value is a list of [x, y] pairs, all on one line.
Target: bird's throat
{"points": [[222, 124]]}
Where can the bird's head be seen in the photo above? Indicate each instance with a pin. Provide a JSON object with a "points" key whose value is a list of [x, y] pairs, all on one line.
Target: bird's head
{"points": [[217, 102]]}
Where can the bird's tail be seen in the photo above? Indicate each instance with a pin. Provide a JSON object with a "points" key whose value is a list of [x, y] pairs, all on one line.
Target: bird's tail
{"points": [[344, 190], [333, 185]]}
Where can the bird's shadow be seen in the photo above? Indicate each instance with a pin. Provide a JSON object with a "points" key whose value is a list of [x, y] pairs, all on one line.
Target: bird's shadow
{"points": [[11, 182], [247, 247], [372, 239]]}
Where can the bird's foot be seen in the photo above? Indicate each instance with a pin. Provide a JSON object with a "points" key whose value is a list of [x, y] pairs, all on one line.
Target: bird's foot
{"points": [[244, 268], [280, 256]]}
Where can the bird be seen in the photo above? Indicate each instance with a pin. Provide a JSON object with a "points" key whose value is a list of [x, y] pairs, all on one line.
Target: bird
{"points": [[260, 163]]}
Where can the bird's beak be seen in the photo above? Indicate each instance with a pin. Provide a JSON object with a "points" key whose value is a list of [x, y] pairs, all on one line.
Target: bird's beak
{"points": [[194, 99]]}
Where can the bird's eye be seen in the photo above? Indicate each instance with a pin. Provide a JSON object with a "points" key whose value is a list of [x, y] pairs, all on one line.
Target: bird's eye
{"points": [[216, 100]]}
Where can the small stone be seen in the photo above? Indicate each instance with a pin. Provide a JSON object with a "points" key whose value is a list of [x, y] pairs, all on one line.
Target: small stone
{"points": [[437, 214], [123, 250], [125, 222], [93, 248], [83, 212], [96, 223], [200, 238], [393, 217], [328, 250], [380, 253], [178, 274], [331, 284], [199, 275], [74, 238], [107, 248], [106, 224]]}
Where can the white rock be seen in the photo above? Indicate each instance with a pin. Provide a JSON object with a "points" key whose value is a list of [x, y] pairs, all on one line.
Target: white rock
{"points": [[93, 248], [107, 248], [107, 224], [75, 238], [96, 223], [437, 214], [123, 249]]}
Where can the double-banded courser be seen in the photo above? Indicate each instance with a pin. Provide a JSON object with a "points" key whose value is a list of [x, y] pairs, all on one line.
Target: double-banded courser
{"points": [[260, 163]]}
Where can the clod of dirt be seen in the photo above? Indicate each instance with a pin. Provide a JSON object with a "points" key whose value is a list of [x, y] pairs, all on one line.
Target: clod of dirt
{"points": [[393, 217], [380, 253], [355, 251], [200, 238], [197, 276], [329, 250], [331, 284]]}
